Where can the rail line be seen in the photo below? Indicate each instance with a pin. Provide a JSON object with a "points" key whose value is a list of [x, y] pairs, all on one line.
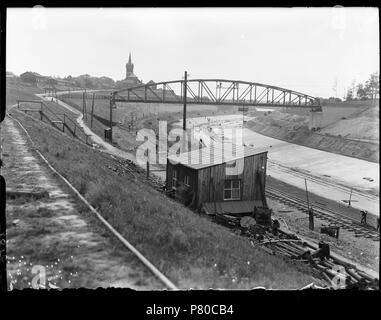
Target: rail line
{"points": [[325, 214], [305, 174]]}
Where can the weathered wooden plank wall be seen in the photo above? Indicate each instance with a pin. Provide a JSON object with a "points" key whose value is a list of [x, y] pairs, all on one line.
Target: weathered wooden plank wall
{"points": [[208, 183]]}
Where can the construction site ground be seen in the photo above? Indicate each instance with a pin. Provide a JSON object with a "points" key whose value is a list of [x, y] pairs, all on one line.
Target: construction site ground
{"points": [[361, 250], [353, 134]]}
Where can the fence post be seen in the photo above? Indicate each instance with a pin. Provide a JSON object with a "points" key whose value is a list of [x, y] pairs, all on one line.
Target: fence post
{"points": [[92, 111], [41, 112], [83, 105]]}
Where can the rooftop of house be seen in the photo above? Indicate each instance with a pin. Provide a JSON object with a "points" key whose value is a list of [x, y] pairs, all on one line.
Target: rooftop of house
{"points": [[218, 154]]}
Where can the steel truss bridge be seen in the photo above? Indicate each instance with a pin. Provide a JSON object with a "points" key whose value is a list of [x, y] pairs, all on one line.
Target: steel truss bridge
{"points": [[216, 92]]}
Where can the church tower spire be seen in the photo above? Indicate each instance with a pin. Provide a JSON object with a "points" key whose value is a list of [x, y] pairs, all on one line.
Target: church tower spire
{"points": [[129, 67]]}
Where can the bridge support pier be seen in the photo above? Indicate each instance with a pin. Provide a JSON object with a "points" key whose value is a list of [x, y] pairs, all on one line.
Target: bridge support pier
{"points": [[316, 118]]}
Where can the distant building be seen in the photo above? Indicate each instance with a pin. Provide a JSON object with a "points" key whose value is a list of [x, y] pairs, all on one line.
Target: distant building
{"points": [[131, 79], [211, 187], [66, 83], [34, 77], [153, 85], [9, 74]]}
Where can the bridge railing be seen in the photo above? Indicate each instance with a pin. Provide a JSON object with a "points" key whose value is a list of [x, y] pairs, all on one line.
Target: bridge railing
{"points": [[218, 92]]}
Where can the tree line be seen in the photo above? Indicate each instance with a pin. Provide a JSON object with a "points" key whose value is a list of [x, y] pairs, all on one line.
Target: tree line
{"points": [[365, 91]]}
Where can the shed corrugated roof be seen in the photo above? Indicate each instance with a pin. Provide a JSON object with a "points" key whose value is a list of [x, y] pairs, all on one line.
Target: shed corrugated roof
{"points": [[211, 156]]}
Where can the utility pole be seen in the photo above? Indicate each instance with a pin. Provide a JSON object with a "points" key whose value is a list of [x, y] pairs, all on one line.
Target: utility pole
{"points": [[111, 105], [92, 111], [310, 210], [184, 147], [83, 105], [350, 198], [185, 102], [308, 203]]}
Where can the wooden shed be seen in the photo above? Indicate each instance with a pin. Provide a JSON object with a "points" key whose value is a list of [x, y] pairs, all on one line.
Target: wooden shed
{"points": [[220, 180]]}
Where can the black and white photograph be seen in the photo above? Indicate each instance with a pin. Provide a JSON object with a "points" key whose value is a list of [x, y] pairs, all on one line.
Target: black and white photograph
{"points": [[178, 149]]}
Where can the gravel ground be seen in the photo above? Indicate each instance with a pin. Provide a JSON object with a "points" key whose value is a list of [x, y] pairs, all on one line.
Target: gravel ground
{"points": [[361, 250]]}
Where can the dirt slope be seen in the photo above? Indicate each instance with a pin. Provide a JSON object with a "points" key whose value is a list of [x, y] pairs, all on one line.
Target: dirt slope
{"points": [[337, 138], [55, 233]]}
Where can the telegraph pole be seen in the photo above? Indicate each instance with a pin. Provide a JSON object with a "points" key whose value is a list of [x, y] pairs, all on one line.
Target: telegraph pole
{"points": [[308, 203], [92, 111], [350, 198], [185, 102], [111, 104]]}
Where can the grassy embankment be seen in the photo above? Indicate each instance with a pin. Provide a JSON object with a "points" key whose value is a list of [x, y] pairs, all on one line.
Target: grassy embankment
{"points": [[191, 250], [19, 90], [145, 115]]}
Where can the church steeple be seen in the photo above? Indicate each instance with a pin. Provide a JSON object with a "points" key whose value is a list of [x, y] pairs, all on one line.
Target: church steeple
{"points": [[129, 67]]}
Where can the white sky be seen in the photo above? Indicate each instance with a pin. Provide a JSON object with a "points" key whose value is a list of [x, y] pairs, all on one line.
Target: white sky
{"points": [[300, 49]]}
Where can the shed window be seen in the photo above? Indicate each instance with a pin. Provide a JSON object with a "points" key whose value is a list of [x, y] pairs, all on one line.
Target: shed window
{"points": [[232, 190], [174, 179], [186, 180]]}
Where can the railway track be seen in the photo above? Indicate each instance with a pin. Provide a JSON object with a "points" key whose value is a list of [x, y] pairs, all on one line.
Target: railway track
{"points": [[325, 214], [147, 264]]}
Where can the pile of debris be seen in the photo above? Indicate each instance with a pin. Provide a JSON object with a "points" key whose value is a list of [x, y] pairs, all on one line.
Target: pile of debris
{"points": [[265, 232]]}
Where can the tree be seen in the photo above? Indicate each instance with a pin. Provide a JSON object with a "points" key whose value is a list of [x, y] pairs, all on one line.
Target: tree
{"points": [[351, 91], [349, 96], [361, 93], [372, 86]]}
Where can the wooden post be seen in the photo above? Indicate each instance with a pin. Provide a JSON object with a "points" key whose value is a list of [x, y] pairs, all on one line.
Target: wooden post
{"points": [[3, 240], [83, 106], [184, 112], [64, 122], [92, 111], [148, 167], [111, 104], [41, 112], [350, 198], [185, 102], [311, 219], [214, 196], [308, 203], [18, 104]]}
